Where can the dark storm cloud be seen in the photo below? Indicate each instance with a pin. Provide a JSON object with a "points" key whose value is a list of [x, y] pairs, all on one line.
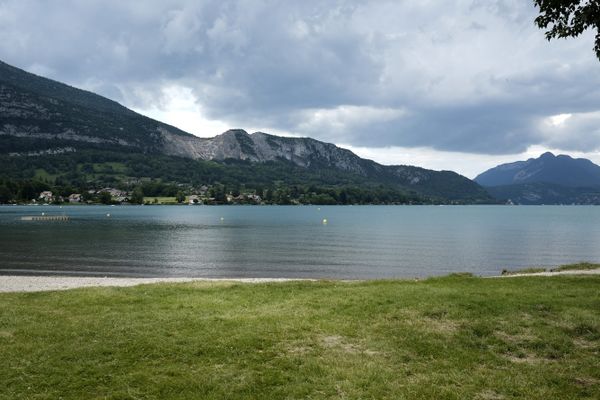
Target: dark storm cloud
{"points": [[470, 75]]}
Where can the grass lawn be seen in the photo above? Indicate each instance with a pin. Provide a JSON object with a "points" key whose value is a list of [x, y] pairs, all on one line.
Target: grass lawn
{"points": [[456, 337], [577, 267], [160, 200], [43, 175], [581, 266]]}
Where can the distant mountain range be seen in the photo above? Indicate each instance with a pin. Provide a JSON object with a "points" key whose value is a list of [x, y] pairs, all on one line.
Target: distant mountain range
{"points": [[548, 179], [52, 131]]}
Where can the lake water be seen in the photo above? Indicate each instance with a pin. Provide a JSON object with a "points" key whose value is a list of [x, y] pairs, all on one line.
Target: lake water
{"points": [[277, 241]]}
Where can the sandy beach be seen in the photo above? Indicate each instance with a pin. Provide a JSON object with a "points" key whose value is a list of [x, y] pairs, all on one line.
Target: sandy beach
{"points": [[16, 283]]}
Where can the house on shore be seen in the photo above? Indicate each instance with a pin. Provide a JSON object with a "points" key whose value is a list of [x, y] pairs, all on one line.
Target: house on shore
{"points": [[46, 196], [121, 199], [114, 192], [194, 199], [75, 198]]}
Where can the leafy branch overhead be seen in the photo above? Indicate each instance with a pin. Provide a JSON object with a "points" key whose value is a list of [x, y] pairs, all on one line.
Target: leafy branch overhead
{"points": [[569, 18]]}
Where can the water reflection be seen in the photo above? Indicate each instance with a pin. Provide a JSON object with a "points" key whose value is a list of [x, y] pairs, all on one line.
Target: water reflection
{"points": [[357, 242]]}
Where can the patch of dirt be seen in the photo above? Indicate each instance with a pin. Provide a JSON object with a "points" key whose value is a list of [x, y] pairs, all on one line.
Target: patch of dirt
{"points": [[585, 344], [445, 326], [586, 381], [298, 350], [489, 395], [340, 343], [431, 322], [514, 338], [527, 358]]}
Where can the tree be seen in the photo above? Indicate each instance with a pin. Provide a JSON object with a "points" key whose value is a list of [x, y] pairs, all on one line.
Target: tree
{"points": [[28, 191], [5, 195], [105, 198], [180, 197], [137, 196], [569, 18]]}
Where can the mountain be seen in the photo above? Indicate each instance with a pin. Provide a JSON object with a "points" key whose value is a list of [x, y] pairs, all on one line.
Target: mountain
{"points": [[58, 133], [310, 153], [548, 168], [548, 179], [39, 114]]}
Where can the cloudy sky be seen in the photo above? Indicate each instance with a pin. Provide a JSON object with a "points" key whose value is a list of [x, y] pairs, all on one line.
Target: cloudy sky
{"points": [[455, 84]]}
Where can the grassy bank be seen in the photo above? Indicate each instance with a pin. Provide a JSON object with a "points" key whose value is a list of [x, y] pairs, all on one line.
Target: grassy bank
{"points": [[581, 266], [456, 337]]}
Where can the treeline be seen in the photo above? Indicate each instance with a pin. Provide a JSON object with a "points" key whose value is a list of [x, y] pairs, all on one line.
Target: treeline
{"points": [[24, 191]]}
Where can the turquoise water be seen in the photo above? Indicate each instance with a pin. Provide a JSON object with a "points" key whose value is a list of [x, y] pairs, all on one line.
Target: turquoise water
{"points": [[277, 241]]}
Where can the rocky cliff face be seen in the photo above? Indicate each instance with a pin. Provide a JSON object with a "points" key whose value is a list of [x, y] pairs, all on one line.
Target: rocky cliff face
{"points": [[261, 147], [309, 153]]}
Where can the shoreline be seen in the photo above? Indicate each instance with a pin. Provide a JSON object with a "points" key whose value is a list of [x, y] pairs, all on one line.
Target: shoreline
{"points": [[40, 283], [552, 273]]}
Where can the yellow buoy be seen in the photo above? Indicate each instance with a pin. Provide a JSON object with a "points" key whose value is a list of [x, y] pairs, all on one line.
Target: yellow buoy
{"points": [[324, 221]]}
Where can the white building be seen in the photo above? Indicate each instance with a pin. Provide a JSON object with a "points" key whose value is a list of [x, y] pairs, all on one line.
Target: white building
{"points": [[46, 196]]}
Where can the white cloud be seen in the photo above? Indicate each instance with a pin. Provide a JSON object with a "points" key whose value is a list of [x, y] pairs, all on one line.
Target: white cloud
{"points": [[572, 131], [345, 118], [178, 107], [559, 119]]}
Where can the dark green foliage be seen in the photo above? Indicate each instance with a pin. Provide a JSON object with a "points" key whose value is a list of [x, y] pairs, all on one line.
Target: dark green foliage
{"points": [[280, 182], [569, 18], [105, 198], [545, 193], [137, 196]]}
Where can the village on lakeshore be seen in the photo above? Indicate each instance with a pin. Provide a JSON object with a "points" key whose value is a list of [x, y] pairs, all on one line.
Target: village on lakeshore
{"points": [[109, 195]]}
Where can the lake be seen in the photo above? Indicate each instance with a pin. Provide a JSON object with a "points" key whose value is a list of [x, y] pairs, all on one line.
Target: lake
{"points": [[357, 242]]}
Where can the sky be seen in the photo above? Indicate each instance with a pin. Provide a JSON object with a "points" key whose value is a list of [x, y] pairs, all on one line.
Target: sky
{"points": [[460, 85]]}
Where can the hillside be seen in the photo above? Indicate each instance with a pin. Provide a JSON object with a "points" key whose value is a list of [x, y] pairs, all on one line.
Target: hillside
{"points": [[548, 168], [56, 133], [548, 179]]}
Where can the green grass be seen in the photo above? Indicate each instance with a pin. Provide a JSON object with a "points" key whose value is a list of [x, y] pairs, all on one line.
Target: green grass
{"points": [[160, 200], [43, 175], [577, 267], [110, 167], [532, 270], [457, 337]]}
